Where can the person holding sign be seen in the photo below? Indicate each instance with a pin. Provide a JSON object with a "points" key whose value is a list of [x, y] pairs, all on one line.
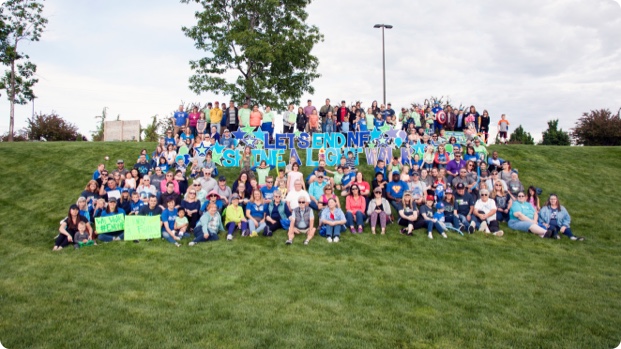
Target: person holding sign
{"points": [[69, 227], [208, 226], [108, 229]]}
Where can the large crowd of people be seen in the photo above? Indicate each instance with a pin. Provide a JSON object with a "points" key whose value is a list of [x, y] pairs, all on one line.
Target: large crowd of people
{"points": [[463, 191]]}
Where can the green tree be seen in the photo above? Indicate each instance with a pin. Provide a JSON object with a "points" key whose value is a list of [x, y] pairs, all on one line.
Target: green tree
{"points": [[150, 132], [554, 136], [599, 127], [266, 42], [52, 128], [22, 20], [519, 136], [98, 134]]}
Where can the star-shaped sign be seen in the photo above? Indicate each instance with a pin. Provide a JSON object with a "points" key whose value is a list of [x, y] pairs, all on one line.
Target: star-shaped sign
{"points": [[250, 141], [258, 135], [398, 142], [382, 142], [239, 134], [215, 157], [297, 133], [385, 128], [375, 134], [201, 150], [247, 129], [218, 148], [371, 145]]}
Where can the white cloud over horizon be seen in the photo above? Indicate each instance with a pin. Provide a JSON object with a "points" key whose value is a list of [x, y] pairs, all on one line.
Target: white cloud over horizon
{"points": [[534, 61]]}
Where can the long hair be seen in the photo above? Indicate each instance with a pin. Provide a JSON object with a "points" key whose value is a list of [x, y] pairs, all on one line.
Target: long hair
{"points": [[534, 196], [88, 186], [548, 203], [71, 225]]}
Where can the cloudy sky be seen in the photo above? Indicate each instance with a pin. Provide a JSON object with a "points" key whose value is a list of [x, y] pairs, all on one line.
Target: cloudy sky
{"points": [[532, 60]]}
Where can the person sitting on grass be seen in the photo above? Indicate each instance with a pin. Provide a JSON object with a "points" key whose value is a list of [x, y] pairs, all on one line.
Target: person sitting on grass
{"points": [[379, 209], [302, 221], [181, 222], [555, 217], [169, 215], [333, 218], [523, 217], [83, 237], [275, 211], [208, 226], [349, 176], [255, 213], [395, 190], [355, 205], [450, 210], [234, 218], [485, 215], [408, 215], [69, 227], [111, 210], [315, 190], [426, 211]]}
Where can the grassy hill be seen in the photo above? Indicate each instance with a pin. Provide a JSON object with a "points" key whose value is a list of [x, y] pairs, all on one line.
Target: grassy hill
{"points": [[389, 291]]}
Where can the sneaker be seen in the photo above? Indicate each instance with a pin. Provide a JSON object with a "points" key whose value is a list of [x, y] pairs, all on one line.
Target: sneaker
{"points": [[444, 235], [229, 237], [462, 228], [246, 232], [192, 243], [471, 228], [404, 230], [336, 239], [177, 244], [116, 238], [548, 234], [577, 238], [353, 231], [289, 242], [483, 227], [429, 235], [359, 230], [267, 232], [499, 233], [254, 234], [136, 241], [305, 242], [329, 239]]}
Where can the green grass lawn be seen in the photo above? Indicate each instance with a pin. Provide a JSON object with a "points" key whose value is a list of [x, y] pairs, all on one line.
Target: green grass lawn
{"points": [[369, 291]]}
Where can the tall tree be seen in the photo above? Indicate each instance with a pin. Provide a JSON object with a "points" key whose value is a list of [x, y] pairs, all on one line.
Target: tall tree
{"points": [[22, 21], [554, 136], [519, 136], [266, 42], [599, 127]]}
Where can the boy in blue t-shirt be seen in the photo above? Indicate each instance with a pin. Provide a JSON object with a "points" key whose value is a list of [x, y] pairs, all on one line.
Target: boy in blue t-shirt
{"points": [[168, 227], [347, 180], [381, 167], [135, 204]]}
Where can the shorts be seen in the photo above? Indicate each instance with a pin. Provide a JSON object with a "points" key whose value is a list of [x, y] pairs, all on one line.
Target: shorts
{"points": [[517, 224], [502, 134], [302, 231]]}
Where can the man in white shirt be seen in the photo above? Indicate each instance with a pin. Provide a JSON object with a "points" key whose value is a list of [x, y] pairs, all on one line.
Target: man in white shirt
{"points": [[294, 195]]}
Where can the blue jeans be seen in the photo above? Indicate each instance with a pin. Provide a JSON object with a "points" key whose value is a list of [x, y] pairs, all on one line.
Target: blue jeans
{"points": [[437, 225], [199, 236], [452, 220], [350, 219], [253, 227], [502, 217], [107, 237], [313, 205], [463, 220], [268, 127], [166, 236], [333, 231]]}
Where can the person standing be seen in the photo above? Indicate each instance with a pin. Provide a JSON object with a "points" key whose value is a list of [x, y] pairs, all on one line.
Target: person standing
{"points": [[288, 119], [255, 117], [308, 111], [216, 116], [323, 113], [180, 120], [232, 117], [244, 115]]}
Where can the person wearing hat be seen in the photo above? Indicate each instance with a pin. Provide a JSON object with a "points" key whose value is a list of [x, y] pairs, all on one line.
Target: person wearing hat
{"points": [[418, 188], [379, 209], [426, 211], [389, 111], [120, 168], [110, 189], [208, 226], [450, 210], [207, 182], [465, 179], [226, 140], [395, 190], [234, 218], [124, 201], [111, 210], [465, 205]]}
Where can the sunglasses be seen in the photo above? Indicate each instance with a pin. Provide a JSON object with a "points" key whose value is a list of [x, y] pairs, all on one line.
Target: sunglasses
{"points": [[301, 202], [378, 192], [484, 194], [192, 192], [269, 182], [521, 196], [197, 184]]}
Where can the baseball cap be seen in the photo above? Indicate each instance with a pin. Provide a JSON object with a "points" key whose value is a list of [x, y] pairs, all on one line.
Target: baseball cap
{"points": [[440, 206], [430, 198], [415, 173], [125, 190], [448, 191], [234, 197], [112, 199], [120, 161], [460, 186], [222, 178]]}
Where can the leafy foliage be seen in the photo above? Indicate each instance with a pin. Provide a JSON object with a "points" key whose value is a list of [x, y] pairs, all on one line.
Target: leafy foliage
{"points": [[150, 132], [519, 136], [267, 42], [554, 136], [98, 134], [52, 128], [20, 136], [21, 20], [599, 127]]}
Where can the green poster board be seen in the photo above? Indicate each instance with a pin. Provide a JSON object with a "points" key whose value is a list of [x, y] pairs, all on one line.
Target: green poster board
{"points": [[109, 223], [142, 227]]}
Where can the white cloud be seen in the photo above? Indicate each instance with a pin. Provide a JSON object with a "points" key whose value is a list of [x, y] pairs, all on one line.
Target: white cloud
{"points": [[531, 60]]}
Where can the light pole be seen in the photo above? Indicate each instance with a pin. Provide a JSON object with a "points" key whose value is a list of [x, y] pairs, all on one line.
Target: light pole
{"points": [[387, 26]]}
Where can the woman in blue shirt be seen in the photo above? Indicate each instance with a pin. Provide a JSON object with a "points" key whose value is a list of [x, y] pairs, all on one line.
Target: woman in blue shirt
{"points": [[523, 217], [554, 217]]}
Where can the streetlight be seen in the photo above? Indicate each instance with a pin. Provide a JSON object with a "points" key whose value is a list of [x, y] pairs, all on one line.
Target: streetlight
{"points": [[387, 26]]}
